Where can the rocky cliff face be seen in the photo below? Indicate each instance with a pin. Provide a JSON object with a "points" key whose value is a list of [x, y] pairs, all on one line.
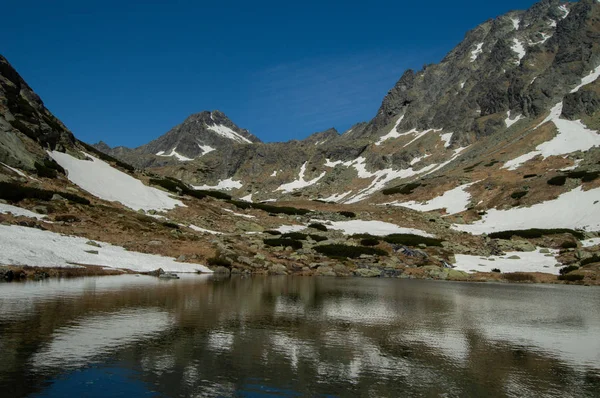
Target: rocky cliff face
{"points": [[26, 126], [489, 93]]}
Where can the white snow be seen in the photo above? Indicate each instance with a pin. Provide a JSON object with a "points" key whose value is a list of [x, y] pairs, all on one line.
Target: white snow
{"points": [[454, 201], [594, 74], [576, 209], [516, 22], [160, 153], [419, 135], [274, 173], [590, 242], [104, 181], [300, 182], [174, 153], [475, 53], [208, 231], [457, 153], [226, 132], [565, 10], [247, 198], [419, 158], [19, 172], [572, 136], [19, 211], [239, 214], [33, 247], [545, 38], [393, 132], [329, 163], [227, 185], [206, 149], [290, 228], [527, 262], [552, 23], [510, 121], [336, 197], [576, 164], [462, 85], [377, 228], [519, 49], [447, 137]]}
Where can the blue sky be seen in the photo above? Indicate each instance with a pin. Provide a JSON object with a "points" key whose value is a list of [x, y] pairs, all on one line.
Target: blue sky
{"points": [[127, 71]]}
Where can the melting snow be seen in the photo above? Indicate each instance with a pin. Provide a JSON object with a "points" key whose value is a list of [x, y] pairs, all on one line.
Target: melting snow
{"points": [[19, 211], [419, 158], [19, 172], [519, 49], [174, 153], [104, 181], [462, 85], [336, 197], [223, 184], [208, 231], [300, 182], [527, 262], [457, 153], [447, 137], [226, 132], [206, 149], [454, 201], [590, 242], [572, 136], [573, 209], [393, 132], [290, 228], [475, 53], [274, 173], [247, 198], [329, 163], [378, 228], [565, 11], [594, 74], [30, 246], [239, 214], [509, 122], [516, 22], [545, 38], [419, 135]]}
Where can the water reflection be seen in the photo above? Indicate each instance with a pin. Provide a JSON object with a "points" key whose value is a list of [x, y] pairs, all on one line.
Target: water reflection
{"points": [[200, 336]]}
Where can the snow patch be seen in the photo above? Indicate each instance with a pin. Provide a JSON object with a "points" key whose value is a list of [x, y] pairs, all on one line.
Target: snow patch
{"points": [[247, 198], [447, 137], [226, 132], [274, 173], [300, 182], [206, 149], [516, 22], [419, 158], [510, 121], [104, 181], [545, 38], [239, 214], [227, 185], [19, 172], [527, 262], [565, 11], [590, 242], [475, 53], [284, 229], [204, 230], [30, 246], [592, 77], [454, 201], [373, 227], [393, 132], [519, 49], [336, 197], [19, 212], [174, 153], [573, 209], [572, 136]]}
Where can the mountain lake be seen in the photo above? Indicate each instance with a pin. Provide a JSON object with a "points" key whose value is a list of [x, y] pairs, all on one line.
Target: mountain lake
{"points": [[201, 336]]}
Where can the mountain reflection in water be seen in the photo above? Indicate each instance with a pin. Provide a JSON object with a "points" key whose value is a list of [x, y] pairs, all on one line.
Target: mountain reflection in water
{"points": [[293, 336]]}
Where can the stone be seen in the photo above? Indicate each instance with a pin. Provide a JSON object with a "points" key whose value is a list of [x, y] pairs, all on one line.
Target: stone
{"points": [[278, 269], [544, 250], [368, 272], [40, 209], [514, 257], [92, 243], [325, 270], [155, 243], [56, 197], [220, 270], [341, 270], [182, 258], [91, 251]]}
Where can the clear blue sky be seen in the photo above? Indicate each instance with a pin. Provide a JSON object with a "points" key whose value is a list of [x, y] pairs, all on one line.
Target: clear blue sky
{"points": [[127, 71]]}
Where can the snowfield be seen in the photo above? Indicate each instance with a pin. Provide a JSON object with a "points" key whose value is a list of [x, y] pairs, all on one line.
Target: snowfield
{"points": [[454, 201], [105, 182], [173, 152], [572, 136], [227, 185], [33, 247], [576, 209], [377, 228], [300, 182], [527, 262], [226, 132]]}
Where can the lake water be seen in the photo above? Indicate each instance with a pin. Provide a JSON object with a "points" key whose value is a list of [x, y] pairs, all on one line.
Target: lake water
{"points": [[296, 336]]}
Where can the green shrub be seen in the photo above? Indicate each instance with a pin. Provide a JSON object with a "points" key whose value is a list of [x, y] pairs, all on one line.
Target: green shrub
{"points": [[339, 250], [404, 189], [594, 259], [269, 208], [218, 261], [44, 172], [272, 232], [469, 169], [497, 270], [518, 277], [518, 194], [347, 214], [295, 244], [571, 277], [534, 233], [16, 192], [566, 270], [568, 244], [584, 175], [294, 235], [529, 175], [412, 240], [318, 226], [491, 163], [369, 242], [317, 238], [363, 236], [557, 180]]}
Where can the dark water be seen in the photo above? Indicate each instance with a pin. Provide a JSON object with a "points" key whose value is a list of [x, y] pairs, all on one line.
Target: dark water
{"points": [[282, 336]]}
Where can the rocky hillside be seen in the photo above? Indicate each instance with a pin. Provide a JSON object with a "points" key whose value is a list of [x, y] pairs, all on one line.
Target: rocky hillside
{"points": [[483, 103]]}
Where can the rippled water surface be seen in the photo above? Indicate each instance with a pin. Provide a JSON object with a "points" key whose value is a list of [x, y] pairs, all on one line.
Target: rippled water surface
{"points": [[292, 336]]}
